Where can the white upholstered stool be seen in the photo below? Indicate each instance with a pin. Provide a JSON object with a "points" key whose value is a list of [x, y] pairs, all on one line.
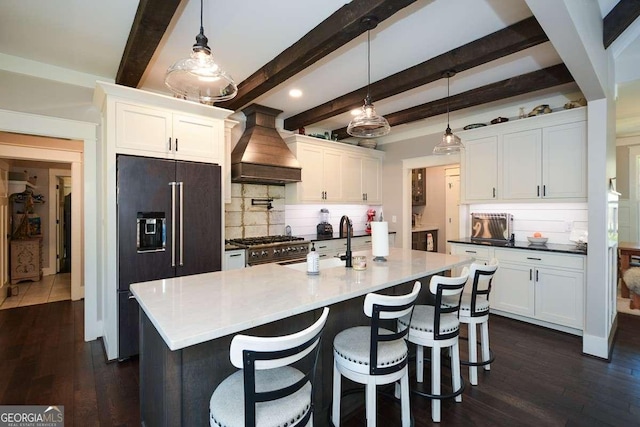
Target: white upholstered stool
{"points": [[267, 391], [438, 327], [474, 310], [373, 355]]}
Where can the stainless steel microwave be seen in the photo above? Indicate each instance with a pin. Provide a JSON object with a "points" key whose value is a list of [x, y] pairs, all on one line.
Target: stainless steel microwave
{"points": [[492, 226]]}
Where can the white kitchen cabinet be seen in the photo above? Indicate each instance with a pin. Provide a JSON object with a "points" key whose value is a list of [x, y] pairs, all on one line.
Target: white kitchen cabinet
{"points": [[157, 132], [512, 290], [234, 259], [564, 159], [480, 165], [522, 165], [335, 172], [552, 284], [541, 287], [547, 163], [537, 158], [372, 180]]}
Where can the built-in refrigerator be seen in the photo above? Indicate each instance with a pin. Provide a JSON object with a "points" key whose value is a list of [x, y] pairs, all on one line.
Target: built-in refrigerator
{"points": [[169, 225]]}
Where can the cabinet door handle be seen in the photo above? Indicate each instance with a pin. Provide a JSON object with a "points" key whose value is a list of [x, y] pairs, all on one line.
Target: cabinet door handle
{"points": [[494, 192], [544, 190], [537, 271], [363, 196], [535, 259], [234, 255], [530, 274], [366, 196], [176, 144], [471, 252], [322, 247], [169, 143], [538, 191]]}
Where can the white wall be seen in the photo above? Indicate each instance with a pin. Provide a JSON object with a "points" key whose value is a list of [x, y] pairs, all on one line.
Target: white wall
{"points": [[303, 219]]}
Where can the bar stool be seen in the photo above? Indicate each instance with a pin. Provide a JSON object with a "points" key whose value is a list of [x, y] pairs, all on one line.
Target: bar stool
{"points": [[267, 390], [437, 326], [474, 310], [372, 355]]}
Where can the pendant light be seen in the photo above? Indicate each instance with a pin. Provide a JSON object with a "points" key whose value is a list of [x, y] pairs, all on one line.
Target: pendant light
{"points": [[199, 78], [368, 124], [450, 143]]}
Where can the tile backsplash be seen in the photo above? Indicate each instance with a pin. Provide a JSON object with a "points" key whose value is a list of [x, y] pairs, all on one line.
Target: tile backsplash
{"points": [[242, 219], [303, 219]]}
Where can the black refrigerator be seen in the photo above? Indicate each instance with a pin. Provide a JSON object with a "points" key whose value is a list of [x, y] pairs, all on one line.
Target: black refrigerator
{"points": [[169, 225]]}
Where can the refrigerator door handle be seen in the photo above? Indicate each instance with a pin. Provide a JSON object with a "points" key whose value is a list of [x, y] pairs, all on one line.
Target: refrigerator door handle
{"points": [[181, 185], [173, 223]]}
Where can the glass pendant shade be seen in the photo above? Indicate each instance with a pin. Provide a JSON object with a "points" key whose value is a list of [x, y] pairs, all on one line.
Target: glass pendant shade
{"points": [[368, 124], [198, 78], [450, 143]]}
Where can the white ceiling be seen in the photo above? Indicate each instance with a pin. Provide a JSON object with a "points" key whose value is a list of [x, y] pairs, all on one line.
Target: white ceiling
{"points": [[48, 39]]}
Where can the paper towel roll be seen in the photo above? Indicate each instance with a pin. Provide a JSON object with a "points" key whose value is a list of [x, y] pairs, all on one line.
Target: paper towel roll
{"points": [[379, 238]]}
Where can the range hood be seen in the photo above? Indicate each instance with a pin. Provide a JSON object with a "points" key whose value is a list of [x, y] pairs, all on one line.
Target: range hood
{"points": [[261, 156]]}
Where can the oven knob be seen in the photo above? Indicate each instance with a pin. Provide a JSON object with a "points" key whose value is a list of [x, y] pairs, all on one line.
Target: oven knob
{"points": [[264, 253], [254, 254], [276, 251]]}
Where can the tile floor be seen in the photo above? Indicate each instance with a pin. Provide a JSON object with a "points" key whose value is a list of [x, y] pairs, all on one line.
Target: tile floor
{"points": [[49, 289]]}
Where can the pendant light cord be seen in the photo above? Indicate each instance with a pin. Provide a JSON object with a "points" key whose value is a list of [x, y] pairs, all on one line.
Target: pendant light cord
{"points": [[368, 63], [448, 102], [201, 7]]}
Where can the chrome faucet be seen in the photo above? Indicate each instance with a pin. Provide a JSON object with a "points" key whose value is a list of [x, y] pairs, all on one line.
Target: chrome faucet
{"points": [[347, 255]]}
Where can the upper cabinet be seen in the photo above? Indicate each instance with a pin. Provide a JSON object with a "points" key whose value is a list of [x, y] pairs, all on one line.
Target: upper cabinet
{"points": [[335, 172], [418, 187], [152, 125], [532, 159]]}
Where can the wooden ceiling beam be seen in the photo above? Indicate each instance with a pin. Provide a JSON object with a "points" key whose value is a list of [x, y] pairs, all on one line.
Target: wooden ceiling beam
{"points": [[519, 85], [334, 32], [618, 19], [149, 25], [519, 36]]}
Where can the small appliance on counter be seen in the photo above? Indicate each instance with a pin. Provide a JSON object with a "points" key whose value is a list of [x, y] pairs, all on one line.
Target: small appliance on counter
{"points": [[371, 216], [492, 226], [324, 229]]}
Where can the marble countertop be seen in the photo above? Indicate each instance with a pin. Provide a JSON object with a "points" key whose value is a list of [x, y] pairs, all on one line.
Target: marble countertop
{"points": [[548, 247], [193, 309]]}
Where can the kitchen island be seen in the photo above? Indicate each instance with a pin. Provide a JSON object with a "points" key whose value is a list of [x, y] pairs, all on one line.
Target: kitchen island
{"points": [[187, 323]]}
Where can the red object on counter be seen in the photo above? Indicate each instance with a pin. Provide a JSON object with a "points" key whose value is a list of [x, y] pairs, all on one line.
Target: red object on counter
{"points": [[371, 216]]}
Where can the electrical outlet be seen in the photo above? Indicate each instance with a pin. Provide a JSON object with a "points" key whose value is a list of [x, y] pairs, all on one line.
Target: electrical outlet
{"points": [[394, 218], [568, 226]]}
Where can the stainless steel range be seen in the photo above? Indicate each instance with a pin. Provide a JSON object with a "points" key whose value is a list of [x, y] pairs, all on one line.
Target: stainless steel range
{"points": [[261, 250]]}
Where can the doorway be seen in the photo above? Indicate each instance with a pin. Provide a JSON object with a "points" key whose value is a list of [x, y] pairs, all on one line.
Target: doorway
{"points": [[444, 162]]}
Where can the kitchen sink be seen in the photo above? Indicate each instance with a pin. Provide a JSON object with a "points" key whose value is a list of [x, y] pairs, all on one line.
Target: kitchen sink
{"points": [[324, 264]]}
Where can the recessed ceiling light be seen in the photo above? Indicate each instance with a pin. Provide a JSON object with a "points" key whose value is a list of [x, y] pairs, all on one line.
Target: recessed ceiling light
{"points": [[295, 93]]}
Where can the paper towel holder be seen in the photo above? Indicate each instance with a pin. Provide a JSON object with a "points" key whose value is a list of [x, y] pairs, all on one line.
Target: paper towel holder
{"points": [[379, 259]]}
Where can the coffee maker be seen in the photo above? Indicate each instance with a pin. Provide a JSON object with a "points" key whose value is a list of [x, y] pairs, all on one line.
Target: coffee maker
{"points": [[324, 229]]}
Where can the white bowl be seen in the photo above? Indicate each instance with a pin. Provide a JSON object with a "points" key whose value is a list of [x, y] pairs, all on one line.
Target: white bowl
{"points": [[537, 240]]}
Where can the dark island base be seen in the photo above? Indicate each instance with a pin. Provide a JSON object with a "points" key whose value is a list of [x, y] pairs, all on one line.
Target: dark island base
{"points": [[175, 386]]}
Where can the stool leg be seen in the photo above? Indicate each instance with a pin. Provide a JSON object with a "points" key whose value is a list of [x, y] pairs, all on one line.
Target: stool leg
{"points": [[473, 353], [484, 333], [404, 402], [419, 363], [371, 403], [335, 411], [435, 383], [455, 369]]}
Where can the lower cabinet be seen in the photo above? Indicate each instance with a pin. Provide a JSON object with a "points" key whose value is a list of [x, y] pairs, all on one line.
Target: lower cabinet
{"points": [[234, 259], [26, 259], [544, 287], [425, 240]]}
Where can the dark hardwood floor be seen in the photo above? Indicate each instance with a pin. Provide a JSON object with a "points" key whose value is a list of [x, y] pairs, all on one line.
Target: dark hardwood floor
{"points": [[539, 377]]}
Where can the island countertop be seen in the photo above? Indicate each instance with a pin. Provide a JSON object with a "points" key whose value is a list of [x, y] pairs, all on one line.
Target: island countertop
{"points": [[190, 310]]}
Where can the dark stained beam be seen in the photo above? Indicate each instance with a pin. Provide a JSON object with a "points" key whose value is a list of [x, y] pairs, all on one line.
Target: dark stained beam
{"points": [[151, 21], [334, 32], [519, 36], [530, 82], [620, 17]]}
